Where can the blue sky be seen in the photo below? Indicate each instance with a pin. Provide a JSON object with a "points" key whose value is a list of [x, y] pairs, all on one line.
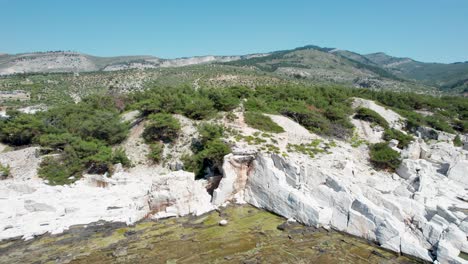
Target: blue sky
{"points": [[427, 30]]}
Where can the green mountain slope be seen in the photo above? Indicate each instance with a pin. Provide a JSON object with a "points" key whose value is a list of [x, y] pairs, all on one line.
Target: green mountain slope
{"points": [[451, 77], [326, 65]]}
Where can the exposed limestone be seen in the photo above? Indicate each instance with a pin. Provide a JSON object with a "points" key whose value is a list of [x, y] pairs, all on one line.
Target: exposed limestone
{"points": [[413, 212], [23, 163], [394, 119], [235, 170], [135, 146], [34, 208], [459, 173], [366, 131], [420, 210], [178, 194]]}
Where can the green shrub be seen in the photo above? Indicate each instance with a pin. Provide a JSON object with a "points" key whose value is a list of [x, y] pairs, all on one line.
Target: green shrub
{"points": [[4, 171], [461, 126], [457, 141], [214, 152], [255, 104], [369, 115], [161, 127], [102, 125], [21, 129], [438, 122], [80, 133], [208, 152], [199, 108], [208, 132], [101, 162], [384, 157], [223, 99], [156, 151], [86, 121], [119, 156], [262, 122], [403, 139], [55, 171]]}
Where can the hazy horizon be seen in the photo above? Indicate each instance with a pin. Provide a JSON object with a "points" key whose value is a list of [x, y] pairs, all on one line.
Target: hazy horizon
{"points": [[428, 31]]}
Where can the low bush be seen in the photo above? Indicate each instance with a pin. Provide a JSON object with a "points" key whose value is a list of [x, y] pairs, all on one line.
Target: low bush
{"points": [[369, 115], [208, 132], [312, 120], [21, 129], [457, 141], [384, 157], [156, 152], [199, 108], [208, 151], [461, 126], [262, 122], [439, 122], [56, 171], [223, 99], [119, 156], [161, 127], [403, 139], [4, 171]]}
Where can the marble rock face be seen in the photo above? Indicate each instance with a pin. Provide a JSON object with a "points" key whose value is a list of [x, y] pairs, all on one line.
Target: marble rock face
{"points": [[411, 212]]}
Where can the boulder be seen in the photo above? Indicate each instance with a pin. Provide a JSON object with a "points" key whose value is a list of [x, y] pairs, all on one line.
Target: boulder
{"points": [[178, 194], [427, 133], [459, 173], [447, 253], [410, 245], [417, 149], [410, 169]]}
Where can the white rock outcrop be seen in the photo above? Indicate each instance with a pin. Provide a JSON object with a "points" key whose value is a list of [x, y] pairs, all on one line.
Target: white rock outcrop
{"points": [[421, 210], [31, 208], [459, 173]]}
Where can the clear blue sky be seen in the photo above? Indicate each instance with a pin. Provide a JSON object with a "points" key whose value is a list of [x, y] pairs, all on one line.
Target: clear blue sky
{"points": [[427, 30]]}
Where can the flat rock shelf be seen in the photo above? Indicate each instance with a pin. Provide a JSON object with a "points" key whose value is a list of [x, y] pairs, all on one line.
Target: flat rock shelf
{"points": [[251, 236]]}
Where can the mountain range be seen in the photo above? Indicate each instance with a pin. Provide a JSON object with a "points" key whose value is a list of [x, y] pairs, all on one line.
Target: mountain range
{"points": [[308, 64]]}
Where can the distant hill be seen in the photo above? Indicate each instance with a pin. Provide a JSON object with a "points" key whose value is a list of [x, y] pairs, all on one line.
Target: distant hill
{"points": [[311, 64], [65, 61], [453, 76]]}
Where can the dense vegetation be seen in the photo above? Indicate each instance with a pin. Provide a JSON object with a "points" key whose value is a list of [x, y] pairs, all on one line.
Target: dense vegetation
{"points": [[161, 128], [262, 122], [449, 114], [83, 134], [209, 151], [196, 104], [321, 110]]}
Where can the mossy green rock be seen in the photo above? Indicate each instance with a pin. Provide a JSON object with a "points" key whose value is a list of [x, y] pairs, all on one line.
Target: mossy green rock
{"points": [[251, 236]]}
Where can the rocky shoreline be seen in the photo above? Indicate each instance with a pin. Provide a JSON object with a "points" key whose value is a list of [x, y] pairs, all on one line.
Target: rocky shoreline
{"points": [[420, 210], [251, 236]]}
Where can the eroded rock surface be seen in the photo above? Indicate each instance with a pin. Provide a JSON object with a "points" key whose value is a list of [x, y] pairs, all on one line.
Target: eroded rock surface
{"points": [[421, 210], [34, 208]]}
